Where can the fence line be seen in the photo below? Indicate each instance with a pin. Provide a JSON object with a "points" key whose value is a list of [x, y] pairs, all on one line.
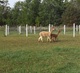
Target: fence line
{"points": [[75, 29], [34, 30]]}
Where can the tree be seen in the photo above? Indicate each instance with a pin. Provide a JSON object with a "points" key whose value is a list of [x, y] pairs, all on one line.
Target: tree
{"points": [[58, 11], [17, 14], [51, 12], [32, 9], [71, 14], [46, 12], [3, 12]]}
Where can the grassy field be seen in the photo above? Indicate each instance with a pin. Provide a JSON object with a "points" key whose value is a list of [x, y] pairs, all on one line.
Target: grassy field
{"points": [[20, 54]]}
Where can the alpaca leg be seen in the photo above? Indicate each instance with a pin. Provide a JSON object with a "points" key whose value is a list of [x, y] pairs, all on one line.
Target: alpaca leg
{"points": [[53, 38], [48, 39], [40, 39]]}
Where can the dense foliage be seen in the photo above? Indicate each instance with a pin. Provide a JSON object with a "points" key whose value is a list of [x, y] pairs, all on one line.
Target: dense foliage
{"points": [[38, 12]]}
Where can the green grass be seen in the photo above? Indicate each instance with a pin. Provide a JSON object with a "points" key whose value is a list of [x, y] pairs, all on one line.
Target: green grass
{"points": [[20, 54]]}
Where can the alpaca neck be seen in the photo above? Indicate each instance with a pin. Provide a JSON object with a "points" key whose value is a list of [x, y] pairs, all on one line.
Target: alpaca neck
{"points": [[51, 31]]}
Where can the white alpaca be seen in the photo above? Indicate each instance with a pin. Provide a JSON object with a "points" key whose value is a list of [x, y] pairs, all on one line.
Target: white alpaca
{"points": [[45, 34]]}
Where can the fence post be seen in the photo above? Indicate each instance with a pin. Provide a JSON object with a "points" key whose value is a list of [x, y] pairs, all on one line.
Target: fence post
{"points": [[73, 29], [5, 30], [34, 30], [26, 30], [30, 29], [19, 29], [49, 27], [8, 30], [64, 29], [79, 29]]}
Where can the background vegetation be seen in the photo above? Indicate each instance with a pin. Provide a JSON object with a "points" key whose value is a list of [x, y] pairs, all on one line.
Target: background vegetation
{"points": [[38, 12]]}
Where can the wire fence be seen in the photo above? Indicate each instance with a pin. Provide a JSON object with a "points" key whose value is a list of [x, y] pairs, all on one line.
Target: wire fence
{"points": [[21, 30]]}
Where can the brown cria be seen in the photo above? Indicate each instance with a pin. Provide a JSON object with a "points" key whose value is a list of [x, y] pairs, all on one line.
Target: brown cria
{"points": [[45, 34], [54, 36]]}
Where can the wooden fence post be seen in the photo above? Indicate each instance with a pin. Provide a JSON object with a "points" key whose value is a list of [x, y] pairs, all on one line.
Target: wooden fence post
{"points": [[49, 27], [76, 28], [19, 29], [34, 30], [64, 29], [26, 30], [79, 29], [73, 29], [6, 30], [30, 29]]}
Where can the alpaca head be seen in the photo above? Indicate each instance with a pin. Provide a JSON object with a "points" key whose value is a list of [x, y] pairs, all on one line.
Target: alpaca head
{"points": [[52, 28], [59, 31]]}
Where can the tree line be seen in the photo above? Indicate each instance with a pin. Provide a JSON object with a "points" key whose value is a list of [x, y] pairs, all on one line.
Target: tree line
{"points": [[40, 12]]}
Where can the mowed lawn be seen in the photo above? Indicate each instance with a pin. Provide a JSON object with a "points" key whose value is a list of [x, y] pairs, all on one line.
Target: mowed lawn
{"points": [[20, 54]]}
